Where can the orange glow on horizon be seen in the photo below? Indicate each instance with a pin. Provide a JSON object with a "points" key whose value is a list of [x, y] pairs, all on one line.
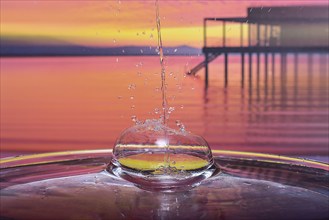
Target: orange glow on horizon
{"points": [[117, 23]]}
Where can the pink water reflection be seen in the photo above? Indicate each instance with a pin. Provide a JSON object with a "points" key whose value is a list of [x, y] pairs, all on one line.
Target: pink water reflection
{"points": [[71, 103]]}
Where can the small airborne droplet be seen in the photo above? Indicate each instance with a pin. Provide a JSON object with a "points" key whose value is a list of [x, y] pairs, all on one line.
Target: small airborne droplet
{"points": [[171, 109], [132, 86], [134, 118]]}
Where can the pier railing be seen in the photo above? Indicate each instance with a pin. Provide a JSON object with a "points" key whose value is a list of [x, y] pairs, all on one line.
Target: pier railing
{"points": [[298, 30]]}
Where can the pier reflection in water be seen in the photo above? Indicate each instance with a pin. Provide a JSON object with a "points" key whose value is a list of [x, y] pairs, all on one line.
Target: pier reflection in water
{"points": [[284, 101]]}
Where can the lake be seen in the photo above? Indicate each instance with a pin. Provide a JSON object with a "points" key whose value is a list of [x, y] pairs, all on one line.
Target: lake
{"points": [[76, 103]]}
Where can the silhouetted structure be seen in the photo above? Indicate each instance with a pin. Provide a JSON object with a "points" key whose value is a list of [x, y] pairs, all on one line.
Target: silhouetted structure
{"points": [[295, 29]]}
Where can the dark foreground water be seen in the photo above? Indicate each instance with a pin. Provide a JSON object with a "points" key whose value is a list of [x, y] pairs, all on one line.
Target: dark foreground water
{"points": [[70, 103], [75, 185]]}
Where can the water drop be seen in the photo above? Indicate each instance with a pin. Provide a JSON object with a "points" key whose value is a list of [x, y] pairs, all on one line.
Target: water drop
{"points": [[117, 60], [134, 118], [132, 86], [180, 125], [142, 51], [132, 97], [175, 50], [114, 40], [151, 36], [171, 109], [96, 180]]}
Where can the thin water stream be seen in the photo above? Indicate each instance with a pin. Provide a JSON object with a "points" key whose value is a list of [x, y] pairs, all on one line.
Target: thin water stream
{"points": [[162, 63]]}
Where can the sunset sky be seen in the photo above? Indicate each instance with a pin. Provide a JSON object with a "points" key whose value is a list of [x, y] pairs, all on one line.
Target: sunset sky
{"points": [[117, 23]]}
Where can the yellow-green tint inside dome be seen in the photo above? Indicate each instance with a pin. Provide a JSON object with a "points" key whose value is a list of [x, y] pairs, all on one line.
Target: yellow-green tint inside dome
{"points": [[146, 162]]}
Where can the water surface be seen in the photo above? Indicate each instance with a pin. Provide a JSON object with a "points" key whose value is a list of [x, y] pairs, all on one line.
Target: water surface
{"points": [[71, 103]]}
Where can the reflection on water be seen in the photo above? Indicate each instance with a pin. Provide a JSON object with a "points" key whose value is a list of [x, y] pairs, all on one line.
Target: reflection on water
{"points": [[266, 187], [85, 102]]}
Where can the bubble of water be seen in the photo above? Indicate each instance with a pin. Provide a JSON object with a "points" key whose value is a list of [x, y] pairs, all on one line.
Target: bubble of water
{"points": [[156, 157]]}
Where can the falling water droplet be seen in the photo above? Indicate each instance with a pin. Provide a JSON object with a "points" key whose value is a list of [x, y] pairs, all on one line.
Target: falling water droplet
{"points": [[134, 118], [132, 86], [171, 109], [180, 125]]}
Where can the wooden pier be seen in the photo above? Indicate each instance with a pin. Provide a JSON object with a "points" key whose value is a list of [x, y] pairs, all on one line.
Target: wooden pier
{"points": [[271, 30]]}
